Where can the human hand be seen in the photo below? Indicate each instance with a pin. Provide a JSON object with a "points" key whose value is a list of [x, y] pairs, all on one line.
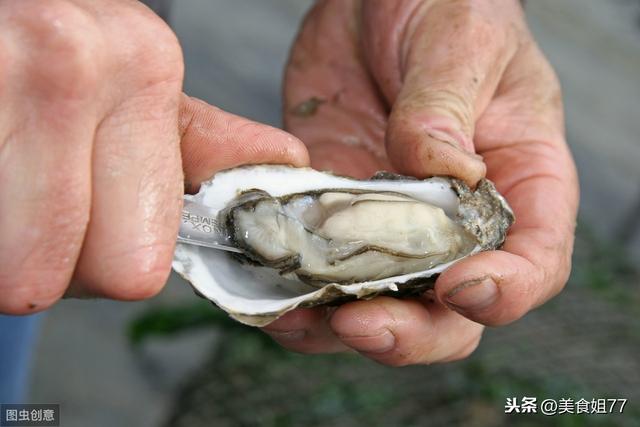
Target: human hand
{"points": [[417, 87], [93, 125]]}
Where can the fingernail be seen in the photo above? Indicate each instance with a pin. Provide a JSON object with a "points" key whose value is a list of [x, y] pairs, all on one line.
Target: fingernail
{"points": [[473, 295], [375, 343], [295, 335]]}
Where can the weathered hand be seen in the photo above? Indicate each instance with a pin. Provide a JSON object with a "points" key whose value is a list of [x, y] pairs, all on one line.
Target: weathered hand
{"points": [[93, 123], [417, 87]]}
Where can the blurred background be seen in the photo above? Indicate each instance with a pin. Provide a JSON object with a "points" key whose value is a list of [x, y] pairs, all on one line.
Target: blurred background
{"points": [[177, 361]]}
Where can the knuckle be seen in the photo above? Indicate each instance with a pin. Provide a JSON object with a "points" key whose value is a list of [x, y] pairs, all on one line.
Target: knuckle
{"points": [[35, 271], [137, 275], [27, 292], [63, 44], [446, 97], [157, 50], [49, 18]]}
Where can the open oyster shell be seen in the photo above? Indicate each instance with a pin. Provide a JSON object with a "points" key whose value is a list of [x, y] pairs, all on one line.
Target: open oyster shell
{"points": [[314, 238]]}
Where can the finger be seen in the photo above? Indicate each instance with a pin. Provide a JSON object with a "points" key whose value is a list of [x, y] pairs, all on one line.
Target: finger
{"points": [[137, 182], [212, 140], [306, 331], [501, 286], [330, 101], [46, 128], [450, 59], [521, 136], [402, 332]]}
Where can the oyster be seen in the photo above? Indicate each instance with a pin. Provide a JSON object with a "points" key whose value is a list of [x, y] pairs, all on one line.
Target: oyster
{"points": [[344, 236], [311, 238]]}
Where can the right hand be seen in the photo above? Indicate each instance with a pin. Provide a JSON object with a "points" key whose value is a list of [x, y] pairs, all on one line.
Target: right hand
{"points": [[94, 136]]}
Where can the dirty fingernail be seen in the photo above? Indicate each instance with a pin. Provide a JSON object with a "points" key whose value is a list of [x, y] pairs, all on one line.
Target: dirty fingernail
{"points": [[295, 335], [377, 343], [473, 295]]}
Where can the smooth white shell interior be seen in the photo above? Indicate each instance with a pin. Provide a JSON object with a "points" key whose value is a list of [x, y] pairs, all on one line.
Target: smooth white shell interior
{"points": [[259, 295]]}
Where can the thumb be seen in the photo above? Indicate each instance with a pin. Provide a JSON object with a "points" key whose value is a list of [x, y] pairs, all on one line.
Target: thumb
{"points": [[213, 140], [430, 133], [450, 62]]}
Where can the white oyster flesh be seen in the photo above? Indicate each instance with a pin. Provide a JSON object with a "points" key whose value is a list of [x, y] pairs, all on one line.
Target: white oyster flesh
{"points": [[345, 237], [325, 238]]}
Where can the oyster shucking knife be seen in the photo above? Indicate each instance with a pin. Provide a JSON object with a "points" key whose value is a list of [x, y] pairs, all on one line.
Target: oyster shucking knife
{"points": [[199, 226]]}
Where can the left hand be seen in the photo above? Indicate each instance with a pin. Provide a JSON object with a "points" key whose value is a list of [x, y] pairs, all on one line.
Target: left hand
{"points": [[418, 86]]}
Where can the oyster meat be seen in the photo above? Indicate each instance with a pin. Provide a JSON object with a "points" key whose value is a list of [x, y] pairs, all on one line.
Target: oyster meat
{"points": [[338, 236], [311, 238]]}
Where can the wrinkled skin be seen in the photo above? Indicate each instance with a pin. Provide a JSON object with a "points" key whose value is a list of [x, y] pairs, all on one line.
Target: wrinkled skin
{"points": [[97, 142], [94, 136], [419, 87]]}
